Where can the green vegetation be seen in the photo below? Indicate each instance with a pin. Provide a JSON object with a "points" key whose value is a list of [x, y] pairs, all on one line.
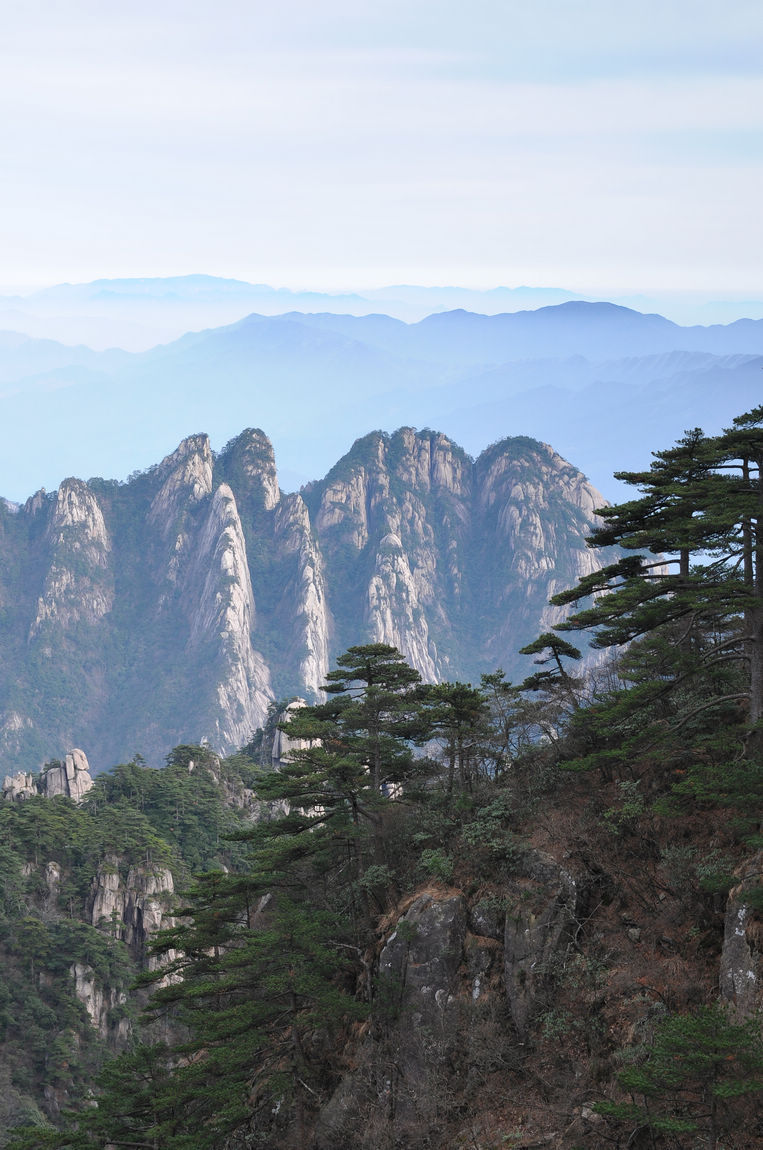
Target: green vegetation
{"points": [[688, 1078], [702, 502], [134, 821], [591, 827]]}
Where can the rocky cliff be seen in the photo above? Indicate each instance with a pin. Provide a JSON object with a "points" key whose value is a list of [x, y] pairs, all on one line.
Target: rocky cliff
{"points": [[132, 908], [177, 606], [498, 1013], [451, 560]]}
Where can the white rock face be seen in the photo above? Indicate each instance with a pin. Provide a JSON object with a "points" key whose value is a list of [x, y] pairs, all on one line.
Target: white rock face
{"points": [[393, 504], [79, 585], [35, 502], [525, 493], [217, 592], [133, 910], [429, 464], [311, 617], [187, 480], [206, 573], [18, 787], [410, 542], [449, 550], [107, 897], [148, 899], [72, 778], [254, 452], [54, 782], [283, 745], [98, 1001], [395, 614], [344, 506], [76, 506], [542, 509]]}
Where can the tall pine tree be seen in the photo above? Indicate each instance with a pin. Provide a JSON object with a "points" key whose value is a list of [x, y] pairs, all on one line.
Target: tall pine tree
{"points": [[697, 526]]}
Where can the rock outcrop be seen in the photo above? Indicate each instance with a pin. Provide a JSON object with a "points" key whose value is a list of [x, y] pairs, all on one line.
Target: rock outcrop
{"points": [[132, 908], [395, 614], [311, 623], [71, 778], [101, 1003], [441, 549], [79, 585], [186, 480], [536, 511], [394, 517], [18, 787], [456, 988], [283, 744], [539, 927], [418, 981], [219, 602], [419, 962], [741, 975]]}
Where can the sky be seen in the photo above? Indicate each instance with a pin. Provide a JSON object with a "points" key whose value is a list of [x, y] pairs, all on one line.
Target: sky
{"points": [[581, 143]]}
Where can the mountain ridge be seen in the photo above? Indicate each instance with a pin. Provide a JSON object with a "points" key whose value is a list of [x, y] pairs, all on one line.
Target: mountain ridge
{"points": [[198, 588], [318, 381]]}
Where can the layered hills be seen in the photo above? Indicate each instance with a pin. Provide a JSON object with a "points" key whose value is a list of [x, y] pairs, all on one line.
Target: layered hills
{"points": [[576, 374], [139, 312], [179, 605]]}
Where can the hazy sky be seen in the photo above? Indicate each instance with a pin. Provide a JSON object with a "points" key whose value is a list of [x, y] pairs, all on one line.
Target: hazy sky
{"points": [[584, 143]]}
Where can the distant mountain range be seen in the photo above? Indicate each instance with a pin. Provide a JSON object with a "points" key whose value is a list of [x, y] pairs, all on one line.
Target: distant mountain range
{"points": [[605, 384], [136, 314]]}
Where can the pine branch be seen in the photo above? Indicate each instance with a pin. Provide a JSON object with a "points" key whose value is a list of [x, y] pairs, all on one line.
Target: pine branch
{"points": [[710, 703]]}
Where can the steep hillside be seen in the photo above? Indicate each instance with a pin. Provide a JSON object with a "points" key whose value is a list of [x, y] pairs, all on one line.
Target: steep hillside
{"points": [[504, 950], [89, 872]]}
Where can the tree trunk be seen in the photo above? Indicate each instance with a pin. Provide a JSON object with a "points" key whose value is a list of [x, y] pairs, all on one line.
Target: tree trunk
{"points": [[754, 578], [712, 1139]]}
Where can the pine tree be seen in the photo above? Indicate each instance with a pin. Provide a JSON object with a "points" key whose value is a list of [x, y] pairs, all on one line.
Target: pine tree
{"points": [[255, 979], [457, 714], [375, 702], [361, 746], [702, 507], [698, 1069], [259, 971]]}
